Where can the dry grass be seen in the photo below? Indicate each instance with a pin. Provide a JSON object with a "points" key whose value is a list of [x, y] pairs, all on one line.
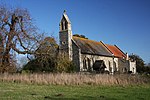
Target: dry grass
{"points": [[75, 79]]}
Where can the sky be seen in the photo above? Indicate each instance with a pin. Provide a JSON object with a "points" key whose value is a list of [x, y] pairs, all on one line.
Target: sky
{"points": [[125, 23]]}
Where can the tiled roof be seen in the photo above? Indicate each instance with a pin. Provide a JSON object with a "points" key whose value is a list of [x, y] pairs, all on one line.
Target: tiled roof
{"points": [[116, 51], [91, 47]]}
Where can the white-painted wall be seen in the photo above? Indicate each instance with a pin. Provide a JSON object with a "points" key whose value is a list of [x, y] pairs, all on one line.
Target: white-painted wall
{"points": [[133, 67]]}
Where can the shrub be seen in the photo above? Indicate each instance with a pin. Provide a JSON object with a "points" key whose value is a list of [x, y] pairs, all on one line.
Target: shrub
{"points": [[64, 64], [61, 63], [39, 65]]}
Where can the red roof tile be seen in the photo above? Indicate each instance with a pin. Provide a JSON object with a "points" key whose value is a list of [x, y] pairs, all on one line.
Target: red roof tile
{"points": [[116, 51]]}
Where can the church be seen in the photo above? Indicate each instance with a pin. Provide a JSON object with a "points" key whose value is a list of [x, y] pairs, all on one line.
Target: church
{"points": [[89, 55]]}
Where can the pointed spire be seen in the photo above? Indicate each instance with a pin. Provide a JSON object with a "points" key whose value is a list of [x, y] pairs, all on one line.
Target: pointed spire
{"points": [[65, 16]]}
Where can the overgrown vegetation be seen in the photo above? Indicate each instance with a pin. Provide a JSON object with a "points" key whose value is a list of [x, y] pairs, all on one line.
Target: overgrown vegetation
{"points": [[59, 64], [76, 79], [49, 59]]}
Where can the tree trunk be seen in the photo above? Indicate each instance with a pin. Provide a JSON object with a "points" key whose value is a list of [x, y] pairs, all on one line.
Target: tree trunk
{"points": [[6, 64]]}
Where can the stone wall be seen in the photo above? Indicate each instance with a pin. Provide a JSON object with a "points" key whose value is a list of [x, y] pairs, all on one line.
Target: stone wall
{"points": [[76, 55], [66, 43], [123, 65], [90, 59]]}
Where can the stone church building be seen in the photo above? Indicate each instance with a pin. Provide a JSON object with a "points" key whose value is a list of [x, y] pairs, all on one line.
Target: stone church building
{"points": [[89, 55]]}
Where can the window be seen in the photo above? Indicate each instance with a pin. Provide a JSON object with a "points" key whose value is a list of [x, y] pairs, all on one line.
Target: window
{"points": [[89, 64], [62, 27], [84, 64], [66, 25], [110, 69], [115, 68]]}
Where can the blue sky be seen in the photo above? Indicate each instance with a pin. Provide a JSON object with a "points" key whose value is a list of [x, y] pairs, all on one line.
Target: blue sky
{"points": [[125, 23]]}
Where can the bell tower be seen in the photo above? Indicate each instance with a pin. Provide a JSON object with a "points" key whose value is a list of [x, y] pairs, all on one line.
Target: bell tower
{"points": [[65, 35]]}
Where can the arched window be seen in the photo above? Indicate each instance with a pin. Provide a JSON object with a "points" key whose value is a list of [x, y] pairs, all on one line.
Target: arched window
{"points": [[110, 69], [84, 64], [115, 68], [89, 64], [66, 25], [62, 26]]}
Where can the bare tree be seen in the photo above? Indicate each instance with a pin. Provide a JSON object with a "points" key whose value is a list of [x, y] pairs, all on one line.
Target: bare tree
{"points": [[17, 34]]}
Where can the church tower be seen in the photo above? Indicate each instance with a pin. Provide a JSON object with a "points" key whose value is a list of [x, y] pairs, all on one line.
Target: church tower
{"points": [[65, 35]]}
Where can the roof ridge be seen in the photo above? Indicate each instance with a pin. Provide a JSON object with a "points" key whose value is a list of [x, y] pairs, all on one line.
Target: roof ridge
{"points": [[107, 47], [86, 39], [120, 50], [110, 47]]}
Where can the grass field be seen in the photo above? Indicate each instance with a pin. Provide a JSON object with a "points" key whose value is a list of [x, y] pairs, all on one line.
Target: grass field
{"points": [[22, 91]]}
